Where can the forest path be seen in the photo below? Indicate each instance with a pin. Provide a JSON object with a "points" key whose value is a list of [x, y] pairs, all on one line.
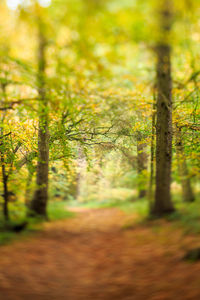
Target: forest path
{"points": [[91, 257]]}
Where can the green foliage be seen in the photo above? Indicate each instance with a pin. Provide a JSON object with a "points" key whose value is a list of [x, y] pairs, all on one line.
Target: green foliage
{"points": [[100, 85]]}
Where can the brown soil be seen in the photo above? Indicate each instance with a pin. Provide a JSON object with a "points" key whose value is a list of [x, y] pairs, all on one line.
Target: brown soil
{"points": [[93, 257]]}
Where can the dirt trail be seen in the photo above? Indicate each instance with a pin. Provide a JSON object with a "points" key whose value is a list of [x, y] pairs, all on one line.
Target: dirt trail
{"points": [[91, 257]]}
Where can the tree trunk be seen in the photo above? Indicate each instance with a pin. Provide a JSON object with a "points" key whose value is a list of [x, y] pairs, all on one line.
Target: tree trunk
{"points": [[188, 195], [81, 165], [2, 158], [152, 161], [163, 204], [38, 204], [141, 164], [28, 185], [5, 189]]}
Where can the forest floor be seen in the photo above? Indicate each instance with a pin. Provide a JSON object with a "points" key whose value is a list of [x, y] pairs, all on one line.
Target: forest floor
{"points": [[98, 255]]}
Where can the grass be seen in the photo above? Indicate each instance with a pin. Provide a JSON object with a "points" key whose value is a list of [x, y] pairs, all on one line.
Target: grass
{"points": [[188, 217], [56, 211], [138, 206]]}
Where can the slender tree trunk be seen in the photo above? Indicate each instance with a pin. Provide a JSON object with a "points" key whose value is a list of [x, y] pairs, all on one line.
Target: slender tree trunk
{"points": [[4, 178], [188, 195], [5, 188], [163, 204], [2, 158], [141, 164], [81, 166], [28, 186], [38, 204], [152, 159]]}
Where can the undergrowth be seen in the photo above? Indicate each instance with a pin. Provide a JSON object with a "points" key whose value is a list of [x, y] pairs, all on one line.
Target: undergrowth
{"points": [[56, 211]]}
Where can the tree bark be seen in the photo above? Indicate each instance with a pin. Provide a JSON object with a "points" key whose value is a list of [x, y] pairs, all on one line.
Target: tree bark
{"points": [[152, 155], [38, 204], [141, 164], [5, 188], [2, 158], [81, 168], [163, 204], [28, 185], [188, 195]]}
